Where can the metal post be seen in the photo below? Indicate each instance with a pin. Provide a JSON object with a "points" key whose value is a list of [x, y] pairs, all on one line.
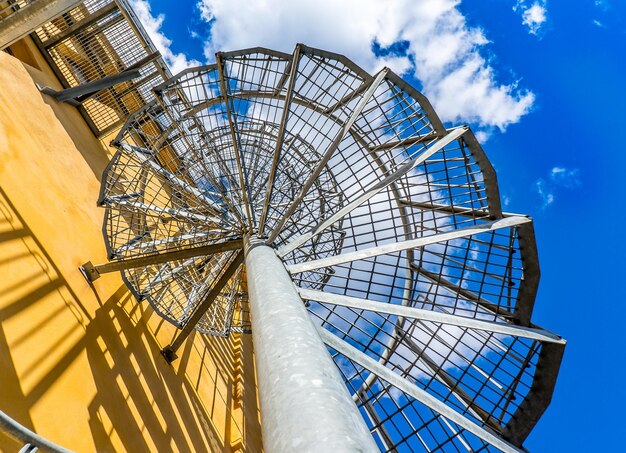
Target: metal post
{"points": [[305, 405], [29, 18]]}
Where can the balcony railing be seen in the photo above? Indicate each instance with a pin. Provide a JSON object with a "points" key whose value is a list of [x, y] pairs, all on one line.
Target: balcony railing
{"points": [[96, 40]]}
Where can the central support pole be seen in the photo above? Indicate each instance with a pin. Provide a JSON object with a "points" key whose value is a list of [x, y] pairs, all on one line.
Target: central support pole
{"points": [[305, 405]]}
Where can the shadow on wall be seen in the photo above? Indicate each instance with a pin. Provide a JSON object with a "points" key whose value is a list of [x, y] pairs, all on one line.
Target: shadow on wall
{"points": [[140, 402], [104, 367], [33, 297], [94, 151]]}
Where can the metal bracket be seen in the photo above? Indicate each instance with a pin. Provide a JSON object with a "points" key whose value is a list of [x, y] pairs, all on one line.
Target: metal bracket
{"points": [[89, 271], [169, 354], [76, 95]]}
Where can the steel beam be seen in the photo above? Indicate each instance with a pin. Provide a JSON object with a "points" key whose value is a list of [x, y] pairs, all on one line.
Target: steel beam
{"points": [[348, 97], [75, 95], [142, 156], [169, 352], [448, 209], [194, 148], [305, 405], [407, 245], [414, 391], [451, 383], [165, 274], [405, 142], [430, 315], [221, 70], [30, 17], [295, 61], [459, 290], [369, 193], [330, 151], [92, 272], [138, 244], [152, 209]]}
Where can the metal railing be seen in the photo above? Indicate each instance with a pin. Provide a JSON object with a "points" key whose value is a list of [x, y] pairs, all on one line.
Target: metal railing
{"points": [[96, 40], [32, 441], [10, 7]]}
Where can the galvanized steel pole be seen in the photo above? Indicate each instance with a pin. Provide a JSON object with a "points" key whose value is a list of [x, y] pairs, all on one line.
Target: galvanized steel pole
{"points": [[305, 405]]}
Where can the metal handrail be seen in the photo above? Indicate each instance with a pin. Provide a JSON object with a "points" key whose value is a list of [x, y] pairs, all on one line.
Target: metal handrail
{"points": [[32, 441]]}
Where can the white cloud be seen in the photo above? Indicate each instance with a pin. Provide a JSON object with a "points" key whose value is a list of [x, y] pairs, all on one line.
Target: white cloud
{"points": [[176, 61], [544, 192], [534, 16], [602, 4], [558, 177], [604, 7], [482, 136], [441, 50], [565, 177]]}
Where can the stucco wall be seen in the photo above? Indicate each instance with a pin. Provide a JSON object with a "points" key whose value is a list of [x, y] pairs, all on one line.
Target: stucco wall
{"points": [[80, 365]]}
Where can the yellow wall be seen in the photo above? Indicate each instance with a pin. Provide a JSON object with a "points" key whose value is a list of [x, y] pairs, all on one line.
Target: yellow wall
{"points": [[80, 365]]}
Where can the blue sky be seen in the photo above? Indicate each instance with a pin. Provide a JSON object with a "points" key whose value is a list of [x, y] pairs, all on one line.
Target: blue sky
{"points": [[546, 91]]}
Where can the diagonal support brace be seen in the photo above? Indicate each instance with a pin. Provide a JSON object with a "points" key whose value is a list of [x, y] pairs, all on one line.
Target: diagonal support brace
{"points": [[76, 95], [169, 352]]}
